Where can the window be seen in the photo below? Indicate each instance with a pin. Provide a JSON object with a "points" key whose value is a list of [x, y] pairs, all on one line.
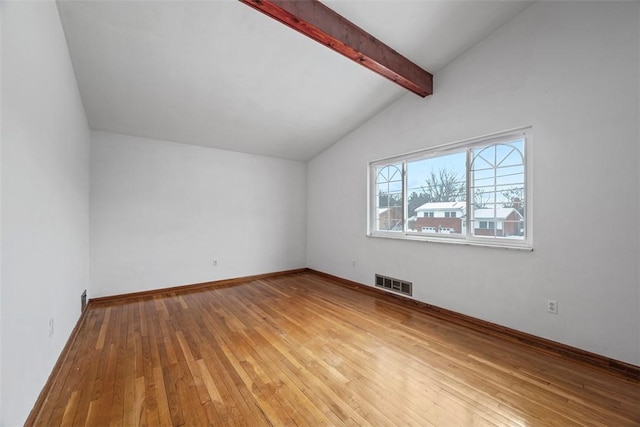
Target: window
{"points": [[487, 225], [473, 192], [389, 211]]}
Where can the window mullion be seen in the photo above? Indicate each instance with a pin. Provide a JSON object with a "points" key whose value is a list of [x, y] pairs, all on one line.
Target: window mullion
{"points": [[469, 195], [405, 201]]}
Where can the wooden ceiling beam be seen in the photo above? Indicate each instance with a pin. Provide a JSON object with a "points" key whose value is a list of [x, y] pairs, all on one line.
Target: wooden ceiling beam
{"points": [[317, 21]]}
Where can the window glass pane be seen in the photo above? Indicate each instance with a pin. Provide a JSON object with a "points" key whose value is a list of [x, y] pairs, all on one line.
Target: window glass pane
{"points": [[436, 194], [389, 211], [473, 189], [497, 179]]}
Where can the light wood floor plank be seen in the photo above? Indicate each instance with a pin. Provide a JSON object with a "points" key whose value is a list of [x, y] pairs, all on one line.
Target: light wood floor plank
{"points": [[300, 350]]}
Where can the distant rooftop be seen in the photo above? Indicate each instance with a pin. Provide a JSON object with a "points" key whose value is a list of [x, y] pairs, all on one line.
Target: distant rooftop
{"points": [[499, 213], [439, 206]]}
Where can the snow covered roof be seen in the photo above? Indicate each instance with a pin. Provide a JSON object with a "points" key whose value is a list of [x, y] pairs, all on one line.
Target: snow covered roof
{"points": [[440, 206], [392, 208], [499, 213]]}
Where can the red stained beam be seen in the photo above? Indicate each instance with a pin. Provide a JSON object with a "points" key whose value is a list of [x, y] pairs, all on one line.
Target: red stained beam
{"points": [[315, 20]]}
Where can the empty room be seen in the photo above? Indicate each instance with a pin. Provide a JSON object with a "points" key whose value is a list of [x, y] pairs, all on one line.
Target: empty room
{"points": [[340, 212]]}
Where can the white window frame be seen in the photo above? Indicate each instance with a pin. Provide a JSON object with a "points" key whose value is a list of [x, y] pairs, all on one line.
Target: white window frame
{"points": [[526, 243]]}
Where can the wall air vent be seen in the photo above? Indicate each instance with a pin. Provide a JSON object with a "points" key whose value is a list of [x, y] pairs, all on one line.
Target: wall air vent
{"points": [[395, 285]]}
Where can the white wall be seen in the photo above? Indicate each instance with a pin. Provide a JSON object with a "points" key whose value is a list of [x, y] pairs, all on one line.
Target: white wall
{"points": [[571, 71], [45, 201], [161, 212], [1, 80]]}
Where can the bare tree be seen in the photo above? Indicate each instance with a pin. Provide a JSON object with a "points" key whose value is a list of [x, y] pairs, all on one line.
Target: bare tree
{"points": [[514, 199], [480, 198], [416, 200], [444, 186]]}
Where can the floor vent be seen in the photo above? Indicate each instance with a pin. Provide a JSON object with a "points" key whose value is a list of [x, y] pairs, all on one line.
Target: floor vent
{"points": [[394, 285]]}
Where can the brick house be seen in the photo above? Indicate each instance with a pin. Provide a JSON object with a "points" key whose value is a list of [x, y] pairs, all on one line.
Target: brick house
{"points": [[450, 218], [390, 219], [441, 217], [502, 222]]}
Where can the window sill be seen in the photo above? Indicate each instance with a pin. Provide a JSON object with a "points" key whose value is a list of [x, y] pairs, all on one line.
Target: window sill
{"points": [[443, 240]]}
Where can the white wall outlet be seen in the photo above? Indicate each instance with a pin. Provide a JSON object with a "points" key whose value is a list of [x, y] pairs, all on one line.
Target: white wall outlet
{"points": [[50, 327], [215, 263], [353, 264], [552, 306]]}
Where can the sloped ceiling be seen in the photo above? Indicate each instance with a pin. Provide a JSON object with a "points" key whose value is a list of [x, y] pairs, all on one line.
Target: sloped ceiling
{"points": [[220, 74]]}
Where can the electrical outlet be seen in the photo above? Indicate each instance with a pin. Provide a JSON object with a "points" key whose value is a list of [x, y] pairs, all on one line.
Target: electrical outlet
{"points": [[353, 264], [215, 263], [552, 306], [50, 327]]}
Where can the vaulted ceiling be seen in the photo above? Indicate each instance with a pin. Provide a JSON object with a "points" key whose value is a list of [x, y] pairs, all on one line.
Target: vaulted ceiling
{"points": [[220, 74]]}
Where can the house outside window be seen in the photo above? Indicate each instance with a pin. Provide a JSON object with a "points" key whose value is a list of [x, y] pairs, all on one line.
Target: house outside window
{"points": [[472, 192], [440, 216]]}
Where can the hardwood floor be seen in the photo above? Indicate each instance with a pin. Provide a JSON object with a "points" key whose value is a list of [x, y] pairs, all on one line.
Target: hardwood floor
{"points": [[301, 350]]}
